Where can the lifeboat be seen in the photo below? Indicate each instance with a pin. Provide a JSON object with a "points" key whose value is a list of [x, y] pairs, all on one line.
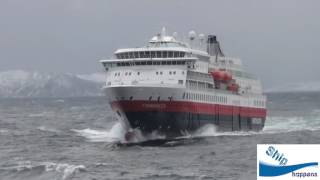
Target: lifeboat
{"points": [[221, 76], [233, 87]]}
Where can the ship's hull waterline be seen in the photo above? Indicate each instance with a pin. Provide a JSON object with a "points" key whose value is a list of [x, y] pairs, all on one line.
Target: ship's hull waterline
{"points": [[177, 117]]}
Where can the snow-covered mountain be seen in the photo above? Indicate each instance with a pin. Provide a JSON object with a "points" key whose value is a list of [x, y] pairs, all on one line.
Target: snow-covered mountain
{"points": [[297, 87], [19, 83]]}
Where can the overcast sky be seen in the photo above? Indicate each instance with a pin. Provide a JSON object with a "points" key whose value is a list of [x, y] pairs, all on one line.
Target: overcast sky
{"points": [[278, 40]]}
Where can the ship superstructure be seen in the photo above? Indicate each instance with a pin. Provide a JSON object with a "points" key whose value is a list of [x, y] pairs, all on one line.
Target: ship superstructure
{"points": [[173, 87]]}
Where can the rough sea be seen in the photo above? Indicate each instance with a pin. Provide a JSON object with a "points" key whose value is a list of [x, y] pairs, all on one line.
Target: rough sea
{"points": [[78, 138]]}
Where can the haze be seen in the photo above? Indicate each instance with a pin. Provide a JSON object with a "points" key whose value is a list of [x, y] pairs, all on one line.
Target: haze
{"points": [[277, 40]]}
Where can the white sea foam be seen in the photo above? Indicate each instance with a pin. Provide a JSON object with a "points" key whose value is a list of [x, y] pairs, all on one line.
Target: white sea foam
{"points": [[42, 114], [47, 129], [66, 170], [4, 131], [278, 124], [211, 130], [116, 133]]}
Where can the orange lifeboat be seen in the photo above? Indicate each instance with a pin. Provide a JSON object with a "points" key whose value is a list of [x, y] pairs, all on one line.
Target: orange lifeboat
{"points": [[217, 75], [221, 76], [227, 77], [233, 87]]}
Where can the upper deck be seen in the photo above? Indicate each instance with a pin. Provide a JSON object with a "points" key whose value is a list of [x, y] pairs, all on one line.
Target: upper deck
{"points": [[170, 57]]}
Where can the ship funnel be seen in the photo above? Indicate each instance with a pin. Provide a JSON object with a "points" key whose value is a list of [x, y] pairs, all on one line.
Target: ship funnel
{"points": [[213, 46]]}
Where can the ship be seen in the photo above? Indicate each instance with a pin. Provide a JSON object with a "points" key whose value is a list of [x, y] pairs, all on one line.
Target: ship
{"points": [[175, 85]]}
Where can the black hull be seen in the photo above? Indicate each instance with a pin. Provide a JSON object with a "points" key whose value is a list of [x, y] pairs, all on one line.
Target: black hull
{"points": [[177, 123]]}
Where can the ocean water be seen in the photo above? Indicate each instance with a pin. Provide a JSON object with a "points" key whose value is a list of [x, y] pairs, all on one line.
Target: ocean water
{"points": [[78, 138]]}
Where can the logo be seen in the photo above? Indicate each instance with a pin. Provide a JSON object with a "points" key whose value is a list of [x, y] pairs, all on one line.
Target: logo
{"points": [[281, 161]]}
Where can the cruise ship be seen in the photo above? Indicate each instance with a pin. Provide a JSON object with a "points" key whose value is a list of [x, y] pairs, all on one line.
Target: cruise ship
{"points": [[173, 86]]}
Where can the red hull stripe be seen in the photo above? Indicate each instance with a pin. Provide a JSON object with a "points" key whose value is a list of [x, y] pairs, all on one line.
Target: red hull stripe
{"points": [[192, 107]]}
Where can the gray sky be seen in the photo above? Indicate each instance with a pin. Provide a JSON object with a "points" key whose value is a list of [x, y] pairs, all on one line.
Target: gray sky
{"points": [[278, 40]]}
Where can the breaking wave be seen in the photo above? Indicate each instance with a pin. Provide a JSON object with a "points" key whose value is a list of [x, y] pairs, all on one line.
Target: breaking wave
{"points": [[116, 133], [61, 170], [278, 124]]}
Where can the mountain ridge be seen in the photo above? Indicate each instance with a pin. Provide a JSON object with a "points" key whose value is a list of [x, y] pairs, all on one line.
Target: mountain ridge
{"points": [[20, 83]]}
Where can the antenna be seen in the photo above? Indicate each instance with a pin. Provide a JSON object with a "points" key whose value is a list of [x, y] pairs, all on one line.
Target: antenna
{"points": [[192, 36], [163, 32], [201, 38], [175, 35]]}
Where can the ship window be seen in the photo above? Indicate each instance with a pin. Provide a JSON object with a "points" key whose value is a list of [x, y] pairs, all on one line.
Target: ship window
{"points": [[182, 72], [143, 63], [154, 63], [158, 54], [158, 98], [138, 73], [163, 63], [165, 54], [126, 73], [158, 62], [129, 73], [115, 74], [141, 54], [182, 54], [126, 55], [127, 64], [131, 98], [157, 73], [138, 63], [174, 62], [131, 55], [160, 72], [168, 62], [176, 54], [150, 98], [170, 72], [136, 54], [170, 54], [147, 53], [153, 54], [174, 72], [179, 62]]}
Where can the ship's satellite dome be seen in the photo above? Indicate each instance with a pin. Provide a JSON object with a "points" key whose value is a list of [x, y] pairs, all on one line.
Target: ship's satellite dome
{"points": [[192, 35], [201, 37]]}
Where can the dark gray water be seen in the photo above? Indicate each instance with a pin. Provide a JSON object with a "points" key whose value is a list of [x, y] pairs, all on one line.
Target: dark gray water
{"points": [[74, 139]]}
